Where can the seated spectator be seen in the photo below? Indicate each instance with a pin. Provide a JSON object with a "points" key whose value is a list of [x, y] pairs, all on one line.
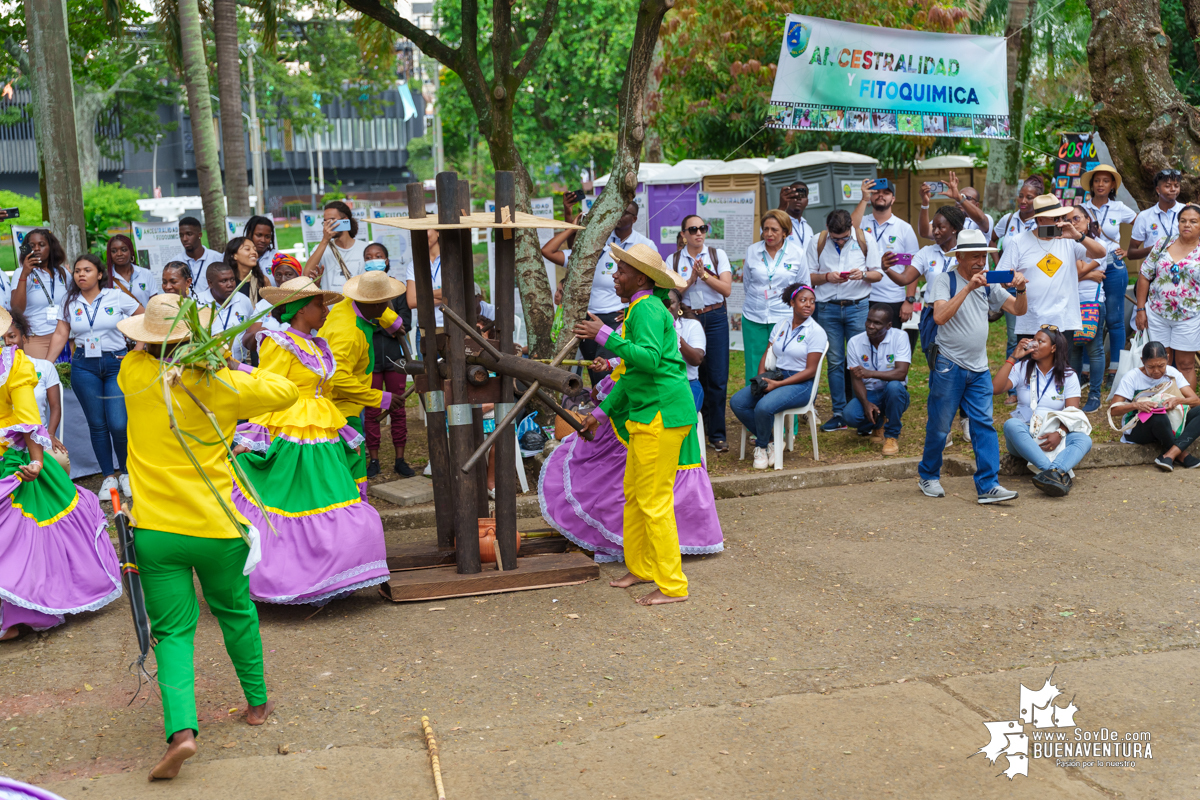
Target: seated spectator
{"points": [[1156, 420], [1045, 384], [692, 343], [797, 344], [1168, 293], [958, 374], [878, 361], [177, 279], [47, 393]]}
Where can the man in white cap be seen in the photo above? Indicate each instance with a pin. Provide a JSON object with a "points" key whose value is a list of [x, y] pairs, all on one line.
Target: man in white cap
{"points": [[958, 374]]}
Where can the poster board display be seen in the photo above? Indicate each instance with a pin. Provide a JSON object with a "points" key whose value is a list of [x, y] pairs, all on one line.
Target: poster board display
{"points": [[1076, 155], [156, 243]]}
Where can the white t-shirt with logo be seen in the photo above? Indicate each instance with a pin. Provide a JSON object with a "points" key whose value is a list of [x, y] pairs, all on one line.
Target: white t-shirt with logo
{"points": [[1154, 224], [94, 324], [238, 310], [701, 295], [893, 236], [792, 345], [1041, 393], [334, 279], [972, 225], [143, 285], [604, 299], [264, 263], [692, 332], [44, 296], [765, 277], [1049, 266], [893, 350], [1136, 381], [931, 260], [199, 266], [47, 377], [1110, 217], [1011, 225]]}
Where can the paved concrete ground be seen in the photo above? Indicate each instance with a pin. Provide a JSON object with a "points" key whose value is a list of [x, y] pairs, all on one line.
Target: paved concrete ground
{"points": [[850, 643]]}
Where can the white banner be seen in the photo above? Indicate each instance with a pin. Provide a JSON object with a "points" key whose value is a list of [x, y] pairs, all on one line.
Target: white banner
{"points": [[398, 242], [156, 244]]}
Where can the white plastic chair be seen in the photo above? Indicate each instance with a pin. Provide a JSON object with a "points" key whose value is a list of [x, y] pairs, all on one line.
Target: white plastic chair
{"points": [[781, 422], [700, 437]]}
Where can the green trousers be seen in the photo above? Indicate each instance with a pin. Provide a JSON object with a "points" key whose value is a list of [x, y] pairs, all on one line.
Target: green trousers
{"points": [[755, 337], [358, 466], [166, 561]]}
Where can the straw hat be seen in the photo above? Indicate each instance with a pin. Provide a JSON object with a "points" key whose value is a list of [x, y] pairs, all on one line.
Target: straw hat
{"points": [[645, 259], [158, 325], [297, 289], [5, 321], [1086, 180], [373, 287], [1047, 205], [972, 241]]}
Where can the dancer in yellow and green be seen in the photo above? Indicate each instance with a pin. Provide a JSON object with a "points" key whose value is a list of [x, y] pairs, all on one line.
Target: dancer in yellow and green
{"points": [[349, 330], [181, 527], [656, 398]]}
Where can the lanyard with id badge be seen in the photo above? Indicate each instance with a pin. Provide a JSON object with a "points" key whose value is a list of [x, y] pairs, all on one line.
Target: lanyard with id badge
{"points": [[51, 309], [771, 270], [91, 342]]}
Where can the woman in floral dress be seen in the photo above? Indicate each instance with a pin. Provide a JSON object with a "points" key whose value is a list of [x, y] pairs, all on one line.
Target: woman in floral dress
{"points": [[1168, 294]]}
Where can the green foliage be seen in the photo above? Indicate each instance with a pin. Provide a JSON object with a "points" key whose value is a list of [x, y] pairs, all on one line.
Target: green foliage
{"points": [[334, 193], [1184, 68], [108, 205], [420, 157], [31, 211]]}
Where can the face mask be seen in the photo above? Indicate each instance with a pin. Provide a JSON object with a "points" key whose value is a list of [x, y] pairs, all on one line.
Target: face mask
{"points": [[376, 265]]}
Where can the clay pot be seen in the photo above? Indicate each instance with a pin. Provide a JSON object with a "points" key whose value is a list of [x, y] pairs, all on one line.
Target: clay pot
{"points": [[487, 540]]}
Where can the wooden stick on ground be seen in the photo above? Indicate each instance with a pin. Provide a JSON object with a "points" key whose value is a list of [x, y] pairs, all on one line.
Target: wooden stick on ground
{"points": [[434, 761]]}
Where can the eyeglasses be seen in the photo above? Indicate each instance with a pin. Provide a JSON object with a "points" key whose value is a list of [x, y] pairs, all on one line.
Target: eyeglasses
{"points": [[840, 239], [1048, 328], [694, 229]]}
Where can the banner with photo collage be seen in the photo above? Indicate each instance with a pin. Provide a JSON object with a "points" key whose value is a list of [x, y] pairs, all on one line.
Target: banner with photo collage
{"points": [[839, 76]]}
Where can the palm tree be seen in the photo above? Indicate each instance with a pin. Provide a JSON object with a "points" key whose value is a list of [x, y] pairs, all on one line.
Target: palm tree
{"points": [[204, 138], [229, 90]]}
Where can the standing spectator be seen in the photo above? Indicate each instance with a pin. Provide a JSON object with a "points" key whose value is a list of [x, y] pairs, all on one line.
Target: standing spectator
{"points": [[1091, 290], [90, 317], [1110, 214], [1043, 384], [843, 263], [1154, 425], [1014, 224], [892, 235], [1161, 220], [1168, 294], [261, 231], [125, 274], [692, 343], [177, 278], [878, 360], [339, 255], [1049, 258], [930, 260], [47, 393], [965, 199], [388, 374], [770, 264], [39, 290], [793, 200], [958, 374], [242, 258], [232, 307], [797, 344], [435, 269], [195, 254], [710, 280]]}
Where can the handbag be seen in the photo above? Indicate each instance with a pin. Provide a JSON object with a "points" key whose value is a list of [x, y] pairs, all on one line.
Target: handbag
{"points": [[1090, 312], [1157, 394], [1129, 359], [758, 386]]}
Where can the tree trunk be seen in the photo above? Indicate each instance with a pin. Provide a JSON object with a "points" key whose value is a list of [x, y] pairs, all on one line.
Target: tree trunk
{"points": [[204, 138], [229, 90], [88, 107], [1146, 123], [654, 145], [50, 76], [622, 183], [1004, 155]]}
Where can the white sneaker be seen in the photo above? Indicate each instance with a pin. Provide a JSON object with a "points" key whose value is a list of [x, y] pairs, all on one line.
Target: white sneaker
{"points": [[966, 428], [106, 487], [760, 458], [124, 481]]}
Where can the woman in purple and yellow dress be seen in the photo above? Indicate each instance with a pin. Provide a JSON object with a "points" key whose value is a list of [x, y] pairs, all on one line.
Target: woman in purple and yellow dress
{"points": [[327, 540]]}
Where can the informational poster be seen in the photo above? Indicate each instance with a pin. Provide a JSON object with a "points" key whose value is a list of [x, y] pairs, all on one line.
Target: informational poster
{"points": [[156, 244], [730, 218], [1076, 155], [541, 207], [840, 76], [642, 223], [814, 193], [312, 222], [18, 237], [397, 241], [851, 191], [234, 226]]}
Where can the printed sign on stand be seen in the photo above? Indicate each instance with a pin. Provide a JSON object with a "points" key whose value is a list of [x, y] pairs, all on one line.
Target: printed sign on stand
{"points": [[156, 244]]}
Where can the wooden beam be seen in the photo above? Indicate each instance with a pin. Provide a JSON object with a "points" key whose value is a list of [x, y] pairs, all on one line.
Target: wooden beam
{"points": [[532, 572], [421, 555]]}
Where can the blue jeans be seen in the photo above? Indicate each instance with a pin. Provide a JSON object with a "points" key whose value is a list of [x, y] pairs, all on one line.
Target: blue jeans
{"points": [[94, 381], [1095, 353], [1116, 283], [951, 387], [1020, 442], [697, 394], [714, 371], [840, 324], [892, 401], [760, 417]]}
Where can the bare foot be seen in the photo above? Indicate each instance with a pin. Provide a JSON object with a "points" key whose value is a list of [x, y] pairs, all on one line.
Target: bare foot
{"points": [[11, 633], [657, 598], [182, 747], [629, 580], [257, 715]]}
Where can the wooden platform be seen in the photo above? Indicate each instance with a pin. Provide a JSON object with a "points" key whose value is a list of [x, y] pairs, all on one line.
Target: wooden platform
{"points": [[532, 572], [423, 556]]}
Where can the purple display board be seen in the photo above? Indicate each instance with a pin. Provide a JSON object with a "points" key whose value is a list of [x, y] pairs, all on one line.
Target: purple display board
{"points": [[668, 204]]}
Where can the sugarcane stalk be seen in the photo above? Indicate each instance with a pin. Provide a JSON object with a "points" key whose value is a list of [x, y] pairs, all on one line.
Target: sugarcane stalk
{"points": [[434, 761], [568, 362]]}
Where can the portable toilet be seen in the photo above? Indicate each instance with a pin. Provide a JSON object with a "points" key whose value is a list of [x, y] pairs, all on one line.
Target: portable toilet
{"points": [[671, 195], [647, 169], [834, 179], [741, 175]]}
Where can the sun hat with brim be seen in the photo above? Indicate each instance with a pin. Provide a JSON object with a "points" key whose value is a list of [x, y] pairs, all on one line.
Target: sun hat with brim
{"points": [[373, 287], [1047, 205], [5, 320], [646, 260], [297, 289], [158, 324], [972, 241], [1086, 180]]}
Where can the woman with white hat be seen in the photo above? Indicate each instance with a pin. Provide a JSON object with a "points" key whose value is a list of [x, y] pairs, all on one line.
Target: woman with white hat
{"points": [[55, 554], [327, 540], [1110, 214]]}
